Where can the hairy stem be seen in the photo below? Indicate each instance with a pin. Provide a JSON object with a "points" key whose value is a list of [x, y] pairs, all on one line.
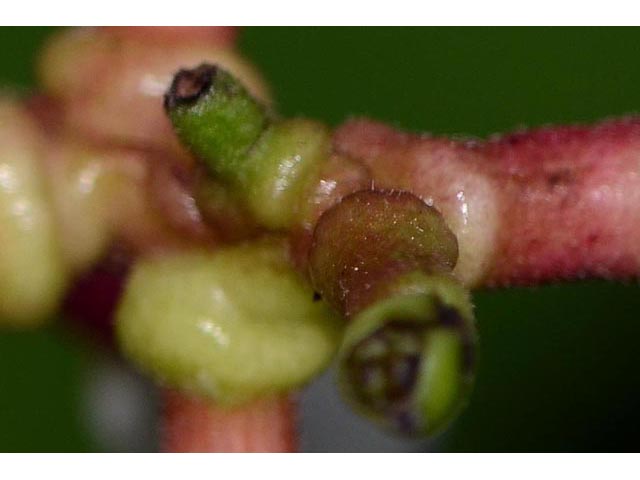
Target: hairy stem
{"points": [[549, 204]]}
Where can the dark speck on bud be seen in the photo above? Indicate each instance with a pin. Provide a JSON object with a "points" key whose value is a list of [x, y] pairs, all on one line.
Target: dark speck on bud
{"points": [[215, 117], [189, 85]]}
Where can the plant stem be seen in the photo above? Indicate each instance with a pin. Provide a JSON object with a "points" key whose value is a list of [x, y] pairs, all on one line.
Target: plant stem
{"points": [[557, 203], [193, 425]]}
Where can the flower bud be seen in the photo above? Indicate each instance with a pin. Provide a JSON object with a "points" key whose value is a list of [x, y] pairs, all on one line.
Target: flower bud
{"points": [[231, 325], [270, 164], [407, 362]]}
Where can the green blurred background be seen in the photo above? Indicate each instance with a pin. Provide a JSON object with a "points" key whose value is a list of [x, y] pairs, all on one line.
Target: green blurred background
{"points": [[557, 364]]}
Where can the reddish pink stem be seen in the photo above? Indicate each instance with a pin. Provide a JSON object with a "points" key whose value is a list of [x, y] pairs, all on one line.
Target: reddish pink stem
{"points": [[195, 425], [529, 207]]}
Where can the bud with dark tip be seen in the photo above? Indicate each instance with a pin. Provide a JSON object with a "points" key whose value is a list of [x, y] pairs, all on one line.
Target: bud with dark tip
{"points": [[269, 165], [215, 117]]}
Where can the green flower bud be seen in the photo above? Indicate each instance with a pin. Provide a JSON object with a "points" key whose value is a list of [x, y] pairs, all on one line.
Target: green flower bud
{"points": [[269, 166], [407, 361], [230, 325]]}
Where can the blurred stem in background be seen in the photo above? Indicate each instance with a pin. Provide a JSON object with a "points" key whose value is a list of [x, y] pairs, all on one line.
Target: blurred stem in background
{"points": [[557, 367]]}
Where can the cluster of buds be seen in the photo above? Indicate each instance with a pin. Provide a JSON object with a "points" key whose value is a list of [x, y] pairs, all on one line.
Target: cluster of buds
{"points": [[382, 260], [171, 209], [152, 191]]}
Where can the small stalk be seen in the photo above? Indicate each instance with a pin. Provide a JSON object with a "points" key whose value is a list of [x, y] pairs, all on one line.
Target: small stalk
{"points": [[191, 424]]}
